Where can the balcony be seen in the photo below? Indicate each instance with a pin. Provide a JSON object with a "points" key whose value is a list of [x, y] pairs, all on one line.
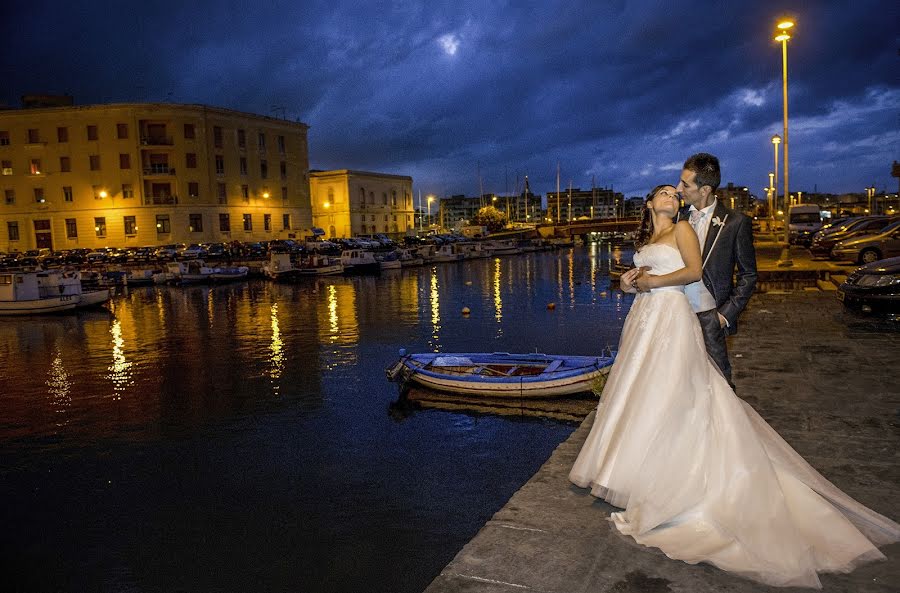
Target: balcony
{"points": [[164, 170], [160, 200], [157, 141]]}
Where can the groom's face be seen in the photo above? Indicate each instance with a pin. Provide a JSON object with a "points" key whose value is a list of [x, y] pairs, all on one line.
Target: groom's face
{"points": [[693, 195]]}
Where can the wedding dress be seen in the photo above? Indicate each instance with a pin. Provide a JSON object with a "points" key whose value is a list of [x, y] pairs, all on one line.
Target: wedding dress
{"points": [[700, 474]]}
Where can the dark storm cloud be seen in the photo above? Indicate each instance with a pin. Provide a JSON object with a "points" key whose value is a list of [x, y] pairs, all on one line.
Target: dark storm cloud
{"points": [[620, 92]]}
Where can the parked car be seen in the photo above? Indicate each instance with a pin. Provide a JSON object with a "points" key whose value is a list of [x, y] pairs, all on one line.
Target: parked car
{"points": [[873, 288], [215, 250], [865, 225], [869, 248], [168, 252], [192, 251]]}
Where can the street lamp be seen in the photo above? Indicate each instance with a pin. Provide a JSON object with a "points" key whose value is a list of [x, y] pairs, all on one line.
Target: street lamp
{"points": [[776, 140], [430, 200], [782, 35]]}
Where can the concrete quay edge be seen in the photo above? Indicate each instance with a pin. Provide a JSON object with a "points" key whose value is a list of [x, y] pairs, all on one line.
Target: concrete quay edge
{"points": [[818, 375]]}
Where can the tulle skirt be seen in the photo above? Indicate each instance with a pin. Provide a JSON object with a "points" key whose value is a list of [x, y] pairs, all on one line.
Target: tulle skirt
{"points": [[701, 475]]}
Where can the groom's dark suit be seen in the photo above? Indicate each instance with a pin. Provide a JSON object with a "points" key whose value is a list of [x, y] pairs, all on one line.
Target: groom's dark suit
{"points": [[728, 245]]}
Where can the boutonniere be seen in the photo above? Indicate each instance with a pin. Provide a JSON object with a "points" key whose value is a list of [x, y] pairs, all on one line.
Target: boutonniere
{"points": [[716, 221]]}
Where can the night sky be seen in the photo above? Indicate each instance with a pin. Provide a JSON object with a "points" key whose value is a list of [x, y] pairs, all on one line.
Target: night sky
{"points": [[621, 92]]}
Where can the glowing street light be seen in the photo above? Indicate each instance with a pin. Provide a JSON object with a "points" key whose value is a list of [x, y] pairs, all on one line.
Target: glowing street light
{"points": [[103, 193], [776, 140], [430, 199], [782, 34]]}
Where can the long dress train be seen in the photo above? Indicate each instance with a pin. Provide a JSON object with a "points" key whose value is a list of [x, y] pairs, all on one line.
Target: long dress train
{"points": [[700, 474]]}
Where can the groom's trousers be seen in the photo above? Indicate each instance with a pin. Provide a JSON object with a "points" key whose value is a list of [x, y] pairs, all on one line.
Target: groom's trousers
{"points": [[714, 338]]}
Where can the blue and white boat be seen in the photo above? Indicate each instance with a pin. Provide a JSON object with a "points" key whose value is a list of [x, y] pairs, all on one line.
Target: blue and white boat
{"points": [[501, 374]]}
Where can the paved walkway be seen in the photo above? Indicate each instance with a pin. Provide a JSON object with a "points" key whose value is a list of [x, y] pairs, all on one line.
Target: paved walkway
{"points": [[828, 383]]}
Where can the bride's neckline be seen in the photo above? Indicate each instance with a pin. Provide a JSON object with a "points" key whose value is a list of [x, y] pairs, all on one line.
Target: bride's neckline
{"points": [[669, 245]]}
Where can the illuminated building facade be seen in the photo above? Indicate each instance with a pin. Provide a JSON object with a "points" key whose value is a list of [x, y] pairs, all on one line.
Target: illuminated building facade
{"points": [[347, 203], [140, 174]]}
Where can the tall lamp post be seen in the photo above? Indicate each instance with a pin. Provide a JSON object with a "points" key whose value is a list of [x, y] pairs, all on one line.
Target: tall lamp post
{"points": [[782, 35], [776, 140], [430, 200]]}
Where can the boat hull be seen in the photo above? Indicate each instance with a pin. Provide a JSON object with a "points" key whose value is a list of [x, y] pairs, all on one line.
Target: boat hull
{"points": [[562, 375], [39, 306]]}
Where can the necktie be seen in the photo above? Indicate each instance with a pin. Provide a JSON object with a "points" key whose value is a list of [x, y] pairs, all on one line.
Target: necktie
{"points": [[696, 216]]}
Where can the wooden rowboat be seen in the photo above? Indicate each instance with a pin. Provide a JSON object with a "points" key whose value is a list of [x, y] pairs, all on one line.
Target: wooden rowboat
{"points": [[500, 374]]}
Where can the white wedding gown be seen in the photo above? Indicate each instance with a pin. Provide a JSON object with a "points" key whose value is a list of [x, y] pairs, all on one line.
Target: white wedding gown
{"points": [[700, 474]]}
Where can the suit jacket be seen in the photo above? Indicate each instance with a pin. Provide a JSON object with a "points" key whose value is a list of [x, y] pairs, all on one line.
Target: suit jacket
{"points": [[729, 246]]}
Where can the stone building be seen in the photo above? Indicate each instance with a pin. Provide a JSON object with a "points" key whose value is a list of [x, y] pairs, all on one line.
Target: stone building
{"points": [[347, 203], [149, 174]]}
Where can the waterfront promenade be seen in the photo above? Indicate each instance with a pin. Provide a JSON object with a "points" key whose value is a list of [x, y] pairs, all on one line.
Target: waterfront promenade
{"points": [[826, 381]]}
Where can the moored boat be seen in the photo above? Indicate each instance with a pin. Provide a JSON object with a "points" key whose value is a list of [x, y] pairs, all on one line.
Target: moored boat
{"points": [[500, 374], [280, 268], [359, 261], [229, 274], [31, 293]]}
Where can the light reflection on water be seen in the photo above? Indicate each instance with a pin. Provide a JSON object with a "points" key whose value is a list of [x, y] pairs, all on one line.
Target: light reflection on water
{"points": [[259, 413]]}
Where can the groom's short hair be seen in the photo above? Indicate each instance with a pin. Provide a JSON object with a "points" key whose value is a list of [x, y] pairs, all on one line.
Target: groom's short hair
{"points": [[706, 168]]}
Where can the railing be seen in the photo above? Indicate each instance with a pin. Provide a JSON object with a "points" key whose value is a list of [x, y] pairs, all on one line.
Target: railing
{"points": [[157, 141], [160, 200], [159, 170]]}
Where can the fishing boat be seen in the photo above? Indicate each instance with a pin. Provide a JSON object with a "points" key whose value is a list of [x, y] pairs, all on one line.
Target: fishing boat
{"points": [[228, 274], [280, 268], [30, 293], [358, 261], [320, 265], [501, 374]]}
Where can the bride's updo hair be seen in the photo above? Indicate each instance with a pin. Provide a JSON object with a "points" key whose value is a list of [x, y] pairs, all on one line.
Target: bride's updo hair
{"points": [[645, 230]]}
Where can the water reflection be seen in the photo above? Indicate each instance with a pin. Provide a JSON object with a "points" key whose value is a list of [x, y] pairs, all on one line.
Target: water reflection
{"points": [[498, 299], [120, 369], [59, 386], [277, 351], [435, 312]]}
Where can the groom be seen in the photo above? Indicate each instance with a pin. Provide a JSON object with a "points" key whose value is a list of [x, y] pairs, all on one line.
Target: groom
{"points": [[726, 243]]}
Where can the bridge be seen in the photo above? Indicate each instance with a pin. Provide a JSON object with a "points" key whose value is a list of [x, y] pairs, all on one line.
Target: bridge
{"points": [[577, 228]]}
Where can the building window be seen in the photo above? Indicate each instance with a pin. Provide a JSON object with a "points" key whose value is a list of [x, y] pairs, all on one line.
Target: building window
{"points": [[193, 189], [62, 135], [12, 229], [188, 131], [217, 136], [282, 167], [224, 222], [286, 222], [92, 133], [394, 198], [100, 226], [122, 131], [65, 164], [67, 194], [220, 164], [262, 141], [264, 169], [385, 217], [34, 167], [267, 222], [39, 195], [71, 229], [190, 160], [243, 162], [4, 138], [125, 161], [130, 225], [245, 192], [34, 136], [284, 193], [384, 198], [362, 196], [94, 162], [281, 145], [221, 193], [127, 190], [10, 197], [372, 197], [242, 139], [163, 227], [196, 223], [6, 167]]}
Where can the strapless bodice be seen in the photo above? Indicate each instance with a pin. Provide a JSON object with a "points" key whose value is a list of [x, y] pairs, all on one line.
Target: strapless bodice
{"points": [[661, 258]]}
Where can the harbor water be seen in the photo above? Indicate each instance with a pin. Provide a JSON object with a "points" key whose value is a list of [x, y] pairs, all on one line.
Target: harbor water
{"points": [[244, 438]]}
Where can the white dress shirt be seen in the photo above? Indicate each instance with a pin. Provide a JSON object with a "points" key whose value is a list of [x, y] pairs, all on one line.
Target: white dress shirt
{"points": [[697, 293]]}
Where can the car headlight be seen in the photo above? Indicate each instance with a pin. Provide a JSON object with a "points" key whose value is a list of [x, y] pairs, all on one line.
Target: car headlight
{"points": [[877, 280]]}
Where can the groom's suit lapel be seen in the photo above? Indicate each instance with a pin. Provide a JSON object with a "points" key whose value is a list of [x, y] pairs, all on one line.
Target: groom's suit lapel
{"points": [[714, 229]]}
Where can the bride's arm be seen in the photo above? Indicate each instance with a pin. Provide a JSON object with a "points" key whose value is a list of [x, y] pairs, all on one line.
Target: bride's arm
{"points": [[689, 246]]}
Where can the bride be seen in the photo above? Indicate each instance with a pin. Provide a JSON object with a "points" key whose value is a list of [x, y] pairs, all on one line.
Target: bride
{"points": [[699, 474]]}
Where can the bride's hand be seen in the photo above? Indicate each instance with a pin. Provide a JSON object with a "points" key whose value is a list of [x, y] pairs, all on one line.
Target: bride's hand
{"points": [[626, 282]]}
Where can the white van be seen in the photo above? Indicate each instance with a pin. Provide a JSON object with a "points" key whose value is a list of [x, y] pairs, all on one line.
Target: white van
{"points": [[804, 221]]}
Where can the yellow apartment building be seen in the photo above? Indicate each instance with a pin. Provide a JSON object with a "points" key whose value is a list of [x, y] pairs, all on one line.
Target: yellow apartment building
{"points": [[140, 174], [348, 203]]}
